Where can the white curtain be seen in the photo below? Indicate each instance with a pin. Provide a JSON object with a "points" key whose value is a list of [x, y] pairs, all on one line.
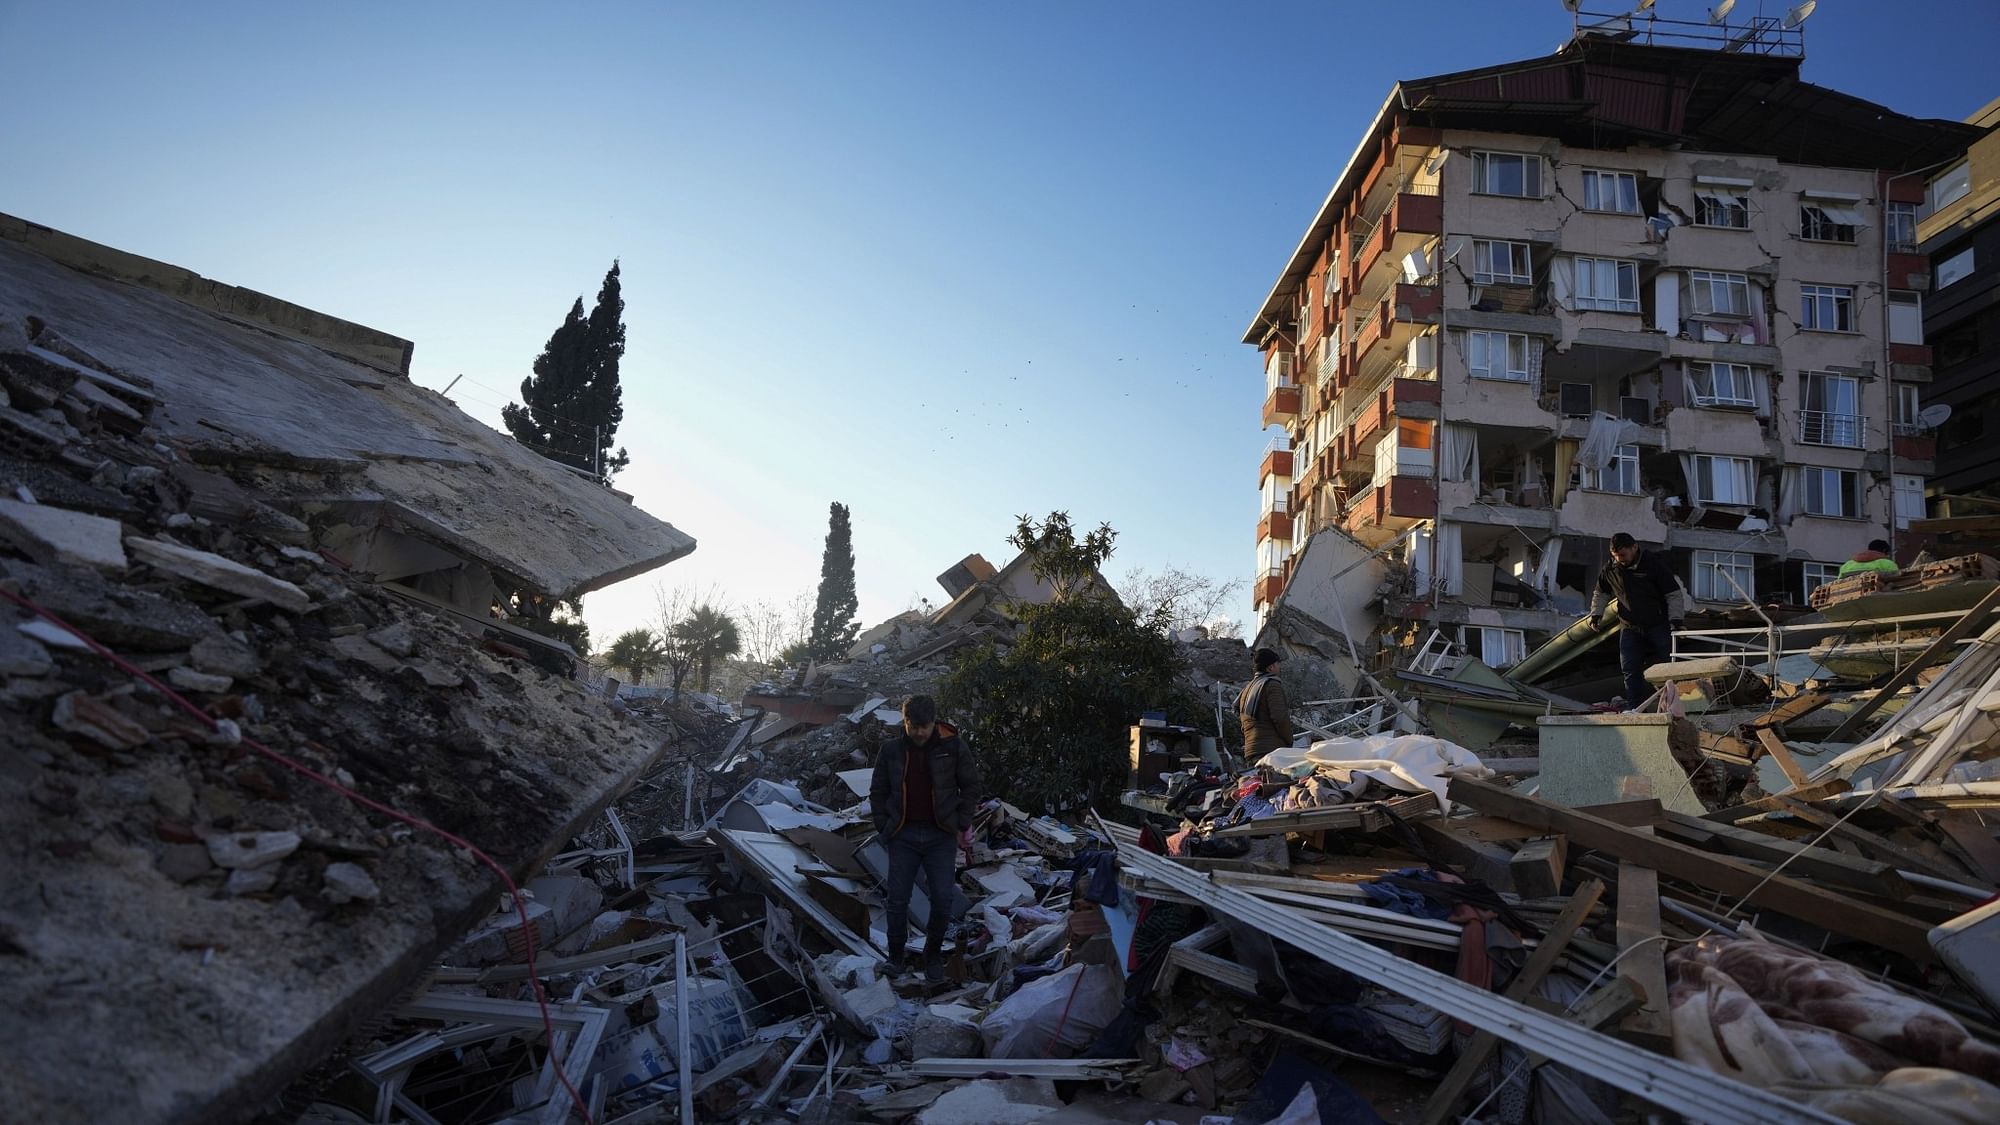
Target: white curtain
{"points": [[1760, 322], [1600, 445], [1760, 390], [1694, 485], [1562, 280], [1667, 302], [1461, 453], [1545, 571], [1789, 500], [1687, 383], [1451, 558]]}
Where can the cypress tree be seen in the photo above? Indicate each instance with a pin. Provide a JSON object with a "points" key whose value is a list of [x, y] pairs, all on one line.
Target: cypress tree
{"points": [[573, 395], [834, 625]]}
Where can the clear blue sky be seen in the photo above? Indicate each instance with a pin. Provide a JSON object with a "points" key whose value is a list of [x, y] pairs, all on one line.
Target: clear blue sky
{"points": [[944, 262]]}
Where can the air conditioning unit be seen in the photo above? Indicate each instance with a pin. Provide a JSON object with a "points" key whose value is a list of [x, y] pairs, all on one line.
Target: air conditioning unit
{"points": [[1636, 410], [1576, 400], [1422, 354]]}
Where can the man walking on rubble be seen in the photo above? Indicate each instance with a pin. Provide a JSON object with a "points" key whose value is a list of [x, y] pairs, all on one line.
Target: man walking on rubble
{"points": [[1263, 710], [922, 797], [1651, 602]]}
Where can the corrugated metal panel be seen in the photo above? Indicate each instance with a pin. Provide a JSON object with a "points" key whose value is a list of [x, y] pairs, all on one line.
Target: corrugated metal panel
{"points": [[1642, 99], [1543, 84]]}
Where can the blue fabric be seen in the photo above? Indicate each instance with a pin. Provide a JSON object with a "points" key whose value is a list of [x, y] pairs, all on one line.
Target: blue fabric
{"points": [[1094, 876], [1403, 900], [926, 846], [1639, 648]]}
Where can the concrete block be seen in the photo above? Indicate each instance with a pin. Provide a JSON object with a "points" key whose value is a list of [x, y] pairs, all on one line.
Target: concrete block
{"points": [[61, 537], [1603, 759], [213, 570]]}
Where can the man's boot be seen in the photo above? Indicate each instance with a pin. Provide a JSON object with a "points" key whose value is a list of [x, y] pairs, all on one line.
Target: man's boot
{"points": [[934, 961], [895, 966]]}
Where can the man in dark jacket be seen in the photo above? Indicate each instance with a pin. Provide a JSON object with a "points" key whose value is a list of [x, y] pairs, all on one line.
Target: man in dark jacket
{"points": [[923, 794], [1263, 710], [1650, 600]]}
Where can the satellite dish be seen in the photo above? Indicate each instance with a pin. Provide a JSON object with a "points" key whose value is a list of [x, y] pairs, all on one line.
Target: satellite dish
{"points": [[1572, 5], [1935, 415], [1798, 14], [1720, 12], [1643, 5]]}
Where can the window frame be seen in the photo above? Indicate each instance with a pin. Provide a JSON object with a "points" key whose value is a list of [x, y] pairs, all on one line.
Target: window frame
{"points": [[1731, 201], [1957, 183], [1899, 226], [1815, 225], [1621, 184], [1897, 493], [1713, 399], [1906, 422], [1841, 298], [1624, 461], [1708, 563], [1833, 424], [1483, 168], [1813, 575], [1710, 461], [1709, 280], [1848, 482], [1513, 642], [1970, 263], [1506, 339], [1614, 304], [1517, 253]]}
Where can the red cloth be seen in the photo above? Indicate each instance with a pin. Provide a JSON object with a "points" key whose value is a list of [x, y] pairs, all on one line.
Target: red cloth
{"points": [[918, 804]]}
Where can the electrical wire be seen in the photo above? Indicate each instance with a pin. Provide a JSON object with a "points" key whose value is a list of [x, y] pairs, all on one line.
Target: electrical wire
{"points": [[513, 891]]}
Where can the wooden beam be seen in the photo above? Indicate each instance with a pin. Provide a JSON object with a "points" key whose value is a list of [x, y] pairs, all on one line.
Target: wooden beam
{"points": [[1487, 862], [1964, 828], [1882, 847], [1472, 1062], [1642, 957], [1825, 909], [1616, 1000], [1538, 867], [1832, 787], [1960, 629], [1642, 813], [1818, 863], [1797, 707], [1781, 754]]}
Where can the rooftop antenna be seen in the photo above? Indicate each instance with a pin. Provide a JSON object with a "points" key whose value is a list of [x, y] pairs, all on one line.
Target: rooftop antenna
{"points": [[1720, 13], [1797, 16]]}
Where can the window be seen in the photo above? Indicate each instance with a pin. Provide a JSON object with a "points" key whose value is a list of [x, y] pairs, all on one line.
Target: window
{"points": [[1714, 207], [1500, 263], [1823, 221], [1909, 500], [1814, 575], [1497, 355], [1507, 173], [1620, 474], [1833, 492], [1723, 576], [1958, 267], [1826, 308], [1495, 647], [1611, 191], [1607, 284], [1950, 187], [1725, 294], [1902, 228], [1722, 480], [1907, 409], [1723, 384], [1832, 413], [1906, 317]]}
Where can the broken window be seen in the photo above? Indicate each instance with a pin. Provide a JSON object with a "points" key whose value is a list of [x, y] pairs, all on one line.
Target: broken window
{"points": [[1724, 576], [1714, 207], [1826, 308], [1901, 228], [1620, 474], [1909, 499], [1722, 480], [1500, 263], [1497, 355], [1812, 576], [1718, 294], [1507, 173], [1607, 284], [1827, 222], [1494, 646], [1722, 384], [1832, 414], [1833, 492], [1611, 191]]}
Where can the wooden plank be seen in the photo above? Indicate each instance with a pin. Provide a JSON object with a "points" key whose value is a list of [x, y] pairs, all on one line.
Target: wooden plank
{"points": [[1832, 787], [1642, 956], [1797, 707], [1881, 846], [1781, 754], [1472, 1062], [1538, 867], [1975, 842], [1825, 909], [1642, 813], [1614, 1001], [1818, 863], [1938, 649]]}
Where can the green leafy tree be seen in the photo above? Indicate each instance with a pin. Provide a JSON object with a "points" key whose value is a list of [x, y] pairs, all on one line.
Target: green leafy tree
{"points": [[556, 618], [1050, 713], [571, 406], [834, 625], [638, 652], [705, 636]]}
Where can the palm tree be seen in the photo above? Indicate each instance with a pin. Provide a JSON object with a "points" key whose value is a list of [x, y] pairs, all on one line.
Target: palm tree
{"points": [[705, 636], [638, 652]]}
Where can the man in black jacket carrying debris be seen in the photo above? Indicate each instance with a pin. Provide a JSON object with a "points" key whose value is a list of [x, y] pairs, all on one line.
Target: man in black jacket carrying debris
{"points": [[1649, 607], [923, 794]]}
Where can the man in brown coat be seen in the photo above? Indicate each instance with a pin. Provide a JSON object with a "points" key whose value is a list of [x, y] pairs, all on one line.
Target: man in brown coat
{"points": [[1263, 710]]}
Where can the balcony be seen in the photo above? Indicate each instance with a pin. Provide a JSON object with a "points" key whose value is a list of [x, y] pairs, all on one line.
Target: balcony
{"points": [[1913, 355], [1391, 507], [1277, 462], [1917, 444], [1818, 427], [1413, 217], [1275, 525], [1281, 405], [1267, 588]]}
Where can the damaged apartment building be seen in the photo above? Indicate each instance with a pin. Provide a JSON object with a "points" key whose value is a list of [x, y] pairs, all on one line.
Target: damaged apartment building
{"points": [[1630, 286]]}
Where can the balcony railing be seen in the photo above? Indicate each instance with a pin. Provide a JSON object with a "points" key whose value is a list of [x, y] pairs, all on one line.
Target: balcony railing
{"points": [[1820, 427]]}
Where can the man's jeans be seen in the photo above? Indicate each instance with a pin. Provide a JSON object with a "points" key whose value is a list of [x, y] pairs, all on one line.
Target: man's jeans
{"points": [[1639, 649], [936, 851]]}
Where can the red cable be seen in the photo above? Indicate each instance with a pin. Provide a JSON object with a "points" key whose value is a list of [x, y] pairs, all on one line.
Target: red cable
{"points": [[521, 910]]}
